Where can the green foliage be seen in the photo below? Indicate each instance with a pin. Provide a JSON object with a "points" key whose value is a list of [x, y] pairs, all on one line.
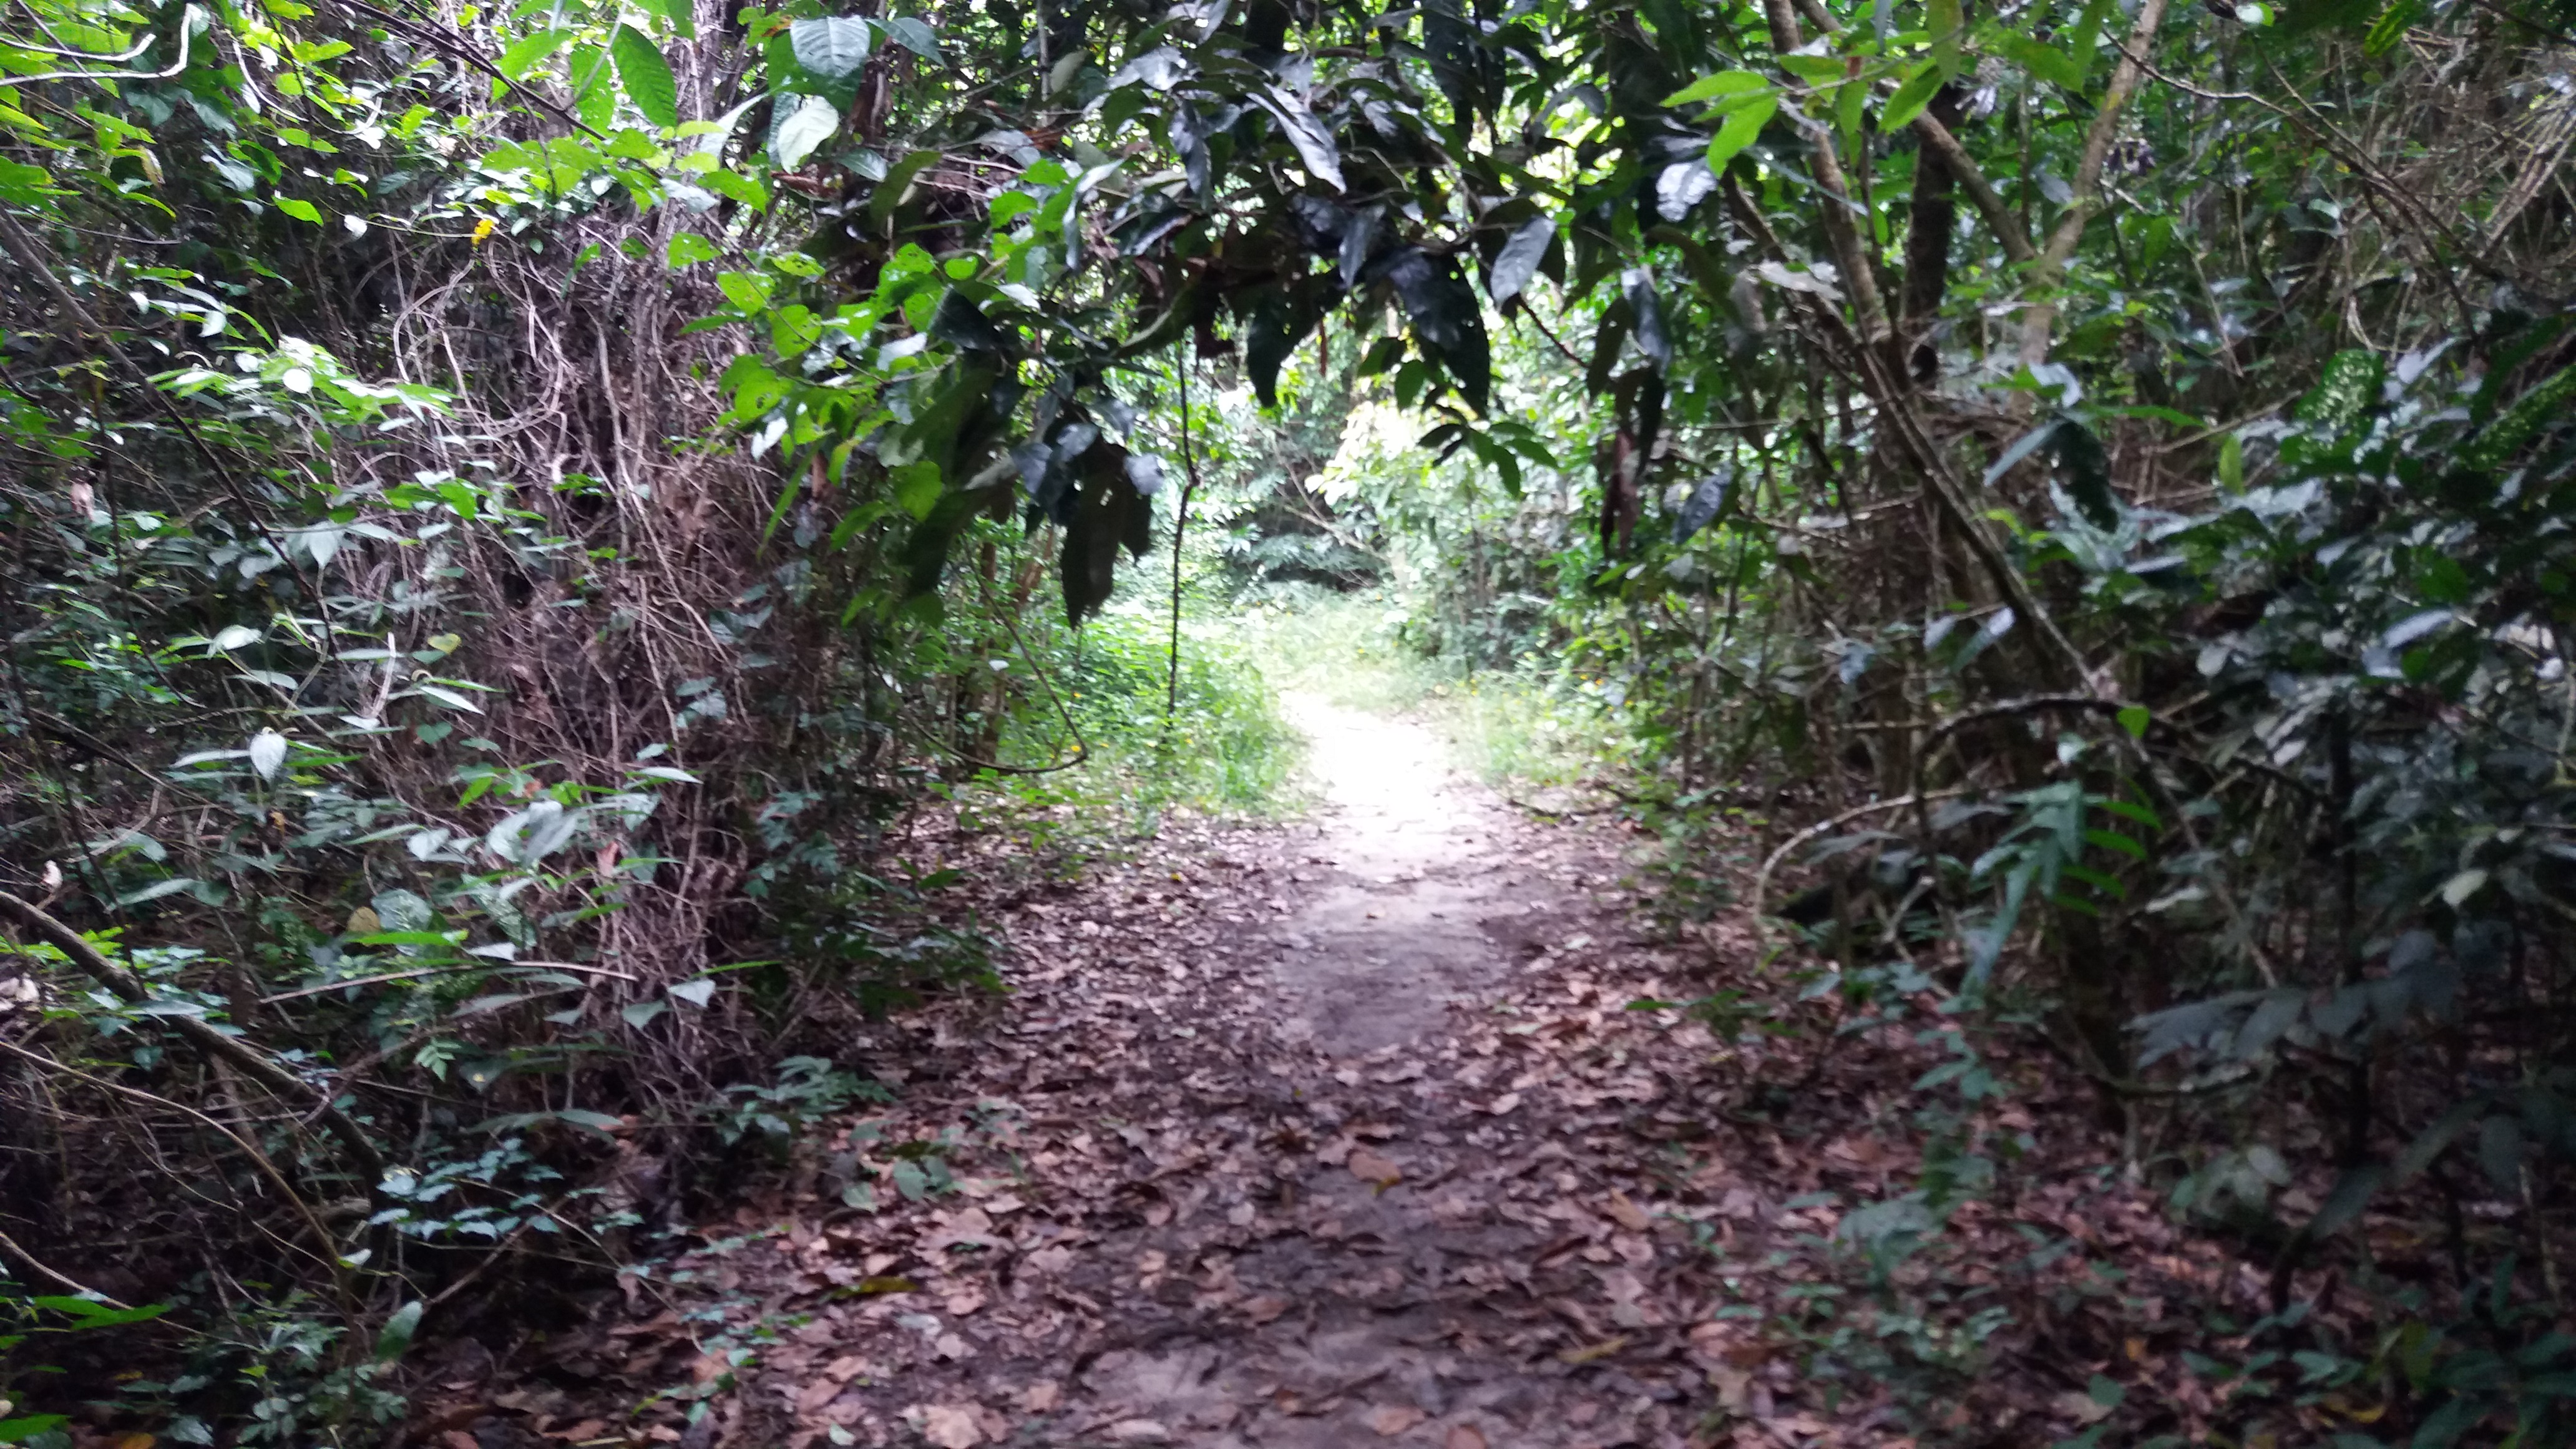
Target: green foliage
{"points": [[1224, 750]]}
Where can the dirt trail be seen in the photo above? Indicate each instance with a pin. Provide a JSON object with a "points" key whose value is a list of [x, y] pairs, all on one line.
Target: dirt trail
{"points": [[1321, 1134], [1424, 874], [1351, 1132], [1384, 1252]]}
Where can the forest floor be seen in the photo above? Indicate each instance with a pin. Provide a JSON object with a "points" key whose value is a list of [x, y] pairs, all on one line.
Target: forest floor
{"points": [[1348, 1130]]}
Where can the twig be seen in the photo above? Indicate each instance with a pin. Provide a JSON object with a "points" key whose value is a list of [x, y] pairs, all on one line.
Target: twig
{"points": [[1180, 521], [1562, 350], [330, 1254], [1771, 862], [2039, 314], [328, 986], [212, 1044], [37, 1266]]}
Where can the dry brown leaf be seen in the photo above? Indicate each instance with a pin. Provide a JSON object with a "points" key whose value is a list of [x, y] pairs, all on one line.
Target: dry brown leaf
{"points": [[1390, 1420], [1463, 1436], [1264, 1308], [963, 1303], [951, 1428], [1627, 1214], [1372, 1166], [1041, 1396], [812, 1398], [1502, 1107]]}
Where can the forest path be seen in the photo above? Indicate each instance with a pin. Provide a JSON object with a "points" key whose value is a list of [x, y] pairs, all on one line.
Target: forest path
{"points": [[1423, 873], [1288, 1136]]}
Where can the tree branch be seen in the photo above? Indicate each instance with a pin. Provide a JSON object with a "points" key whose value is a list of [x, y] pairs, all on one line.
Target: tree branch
{"points": [[2039, 315], [212, 1044]]}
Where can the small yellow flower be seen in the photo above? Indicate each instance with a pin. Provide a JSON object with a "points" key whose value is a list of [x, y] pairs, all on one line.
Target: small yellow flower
{"points": [[482, 229]]}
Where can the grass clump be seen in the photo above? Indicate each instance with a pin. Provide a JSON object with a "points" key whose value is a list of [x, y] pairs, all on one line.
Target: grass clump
{"points": [[1218, 746]]}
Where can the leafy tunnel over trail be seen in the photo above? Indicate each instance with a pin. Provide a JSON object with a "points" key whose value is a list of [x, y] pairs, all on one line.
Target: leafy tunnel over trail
{"points": [[518, 520]]}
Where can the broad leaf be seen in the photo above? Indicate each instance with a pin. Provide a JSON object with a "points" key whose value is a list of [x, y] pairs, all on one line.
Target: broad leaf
{"points": [[516, 61], [802, 127], [1911, 98], [646, 76], [1710, 87], [832, 48], [1314, 144], [1520, 258], [1742, 127]]}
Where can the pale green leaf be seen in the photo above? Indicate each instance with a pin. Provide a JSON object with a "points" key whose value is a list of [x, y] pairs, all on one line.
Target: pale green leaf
{"points": [[1740, 131]]}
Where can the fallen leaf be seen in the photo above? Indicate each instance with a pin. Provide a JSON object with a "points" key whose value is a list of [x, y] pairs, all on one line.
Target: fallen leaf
{"points": [[963, 1303], [812, 1398], [1137, 1431], [1502, 1107], [951, 1428], [1464, 1436], [1627, 1214], [1588, 1353], [888, 1285], [949, 1346], [1039, 1397], [1264, 1308], [1390, 1420], [1372, 1166], [2082, 1408]]}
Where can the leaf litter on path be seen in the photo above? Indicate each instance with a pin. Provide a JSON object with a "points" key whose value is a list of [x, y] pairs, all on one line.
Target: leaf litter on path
{"points": [[1398, 1163]]}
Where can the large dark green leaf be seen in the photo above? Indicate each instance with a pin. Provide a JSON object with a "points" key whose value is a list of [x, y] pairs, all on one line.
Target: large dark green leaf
{"points": [[960, 323], [1708, 499], [1108, 514], [1519, 259], [1638, 285], [1314, 144], [1447, 319]]}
